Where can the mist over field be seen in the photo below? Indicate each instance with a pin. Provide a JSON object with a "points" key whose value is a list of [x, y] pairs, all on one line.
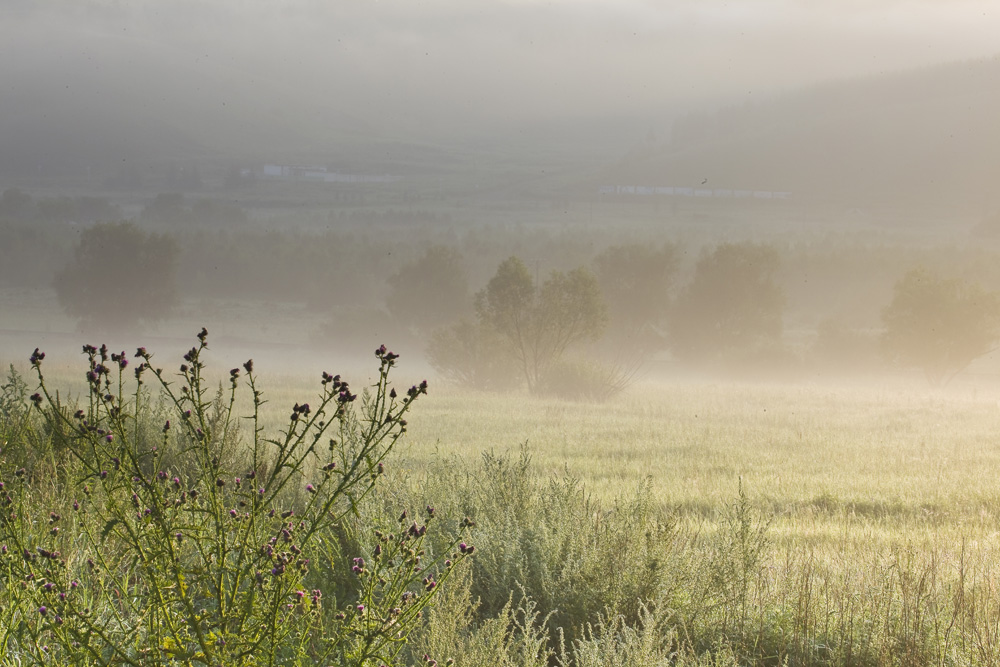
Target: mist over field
{"points": [[270, 141], [696, 307]]}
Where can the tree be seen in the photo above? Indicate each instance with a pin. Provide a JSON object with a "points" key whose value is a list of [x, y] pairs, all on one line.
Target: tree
{"points": [[431, 291], [119, 276], [636, 282], [472, 355], [732, 305], [537, 325], [939, 325]]}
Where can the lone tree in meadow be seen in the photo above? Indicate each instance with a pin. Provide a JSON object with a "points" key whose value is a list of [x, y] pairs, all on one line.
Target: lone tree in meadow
{"points": [[939, 325], [118, 277], [537, 324]]}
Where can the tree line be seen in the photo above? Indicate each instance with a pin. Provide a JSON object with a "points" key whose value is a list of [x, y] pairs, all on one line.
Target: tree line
{"points": [[579, 331]]}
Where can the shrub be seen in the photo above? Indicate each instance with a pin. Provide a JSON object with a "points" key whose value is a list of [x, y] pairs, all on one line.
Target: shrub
{"points": [[939, 325], [516, 637], [188, 547], [733, 304], [564, 558], [17, 425], [637, 281], [13, 403], [472, 356], [586, 381], [119, 276]]}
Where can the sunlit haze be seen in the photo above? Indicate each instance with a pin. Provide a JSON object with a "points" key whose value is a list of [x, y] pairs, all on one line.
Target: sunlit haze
{"points": [[402, 70]]}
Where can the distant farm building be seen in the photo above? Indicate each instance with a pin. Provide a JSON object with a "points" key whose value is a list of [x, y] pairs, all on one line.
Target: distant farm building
{"points": [[675, 191], [315, 174]]}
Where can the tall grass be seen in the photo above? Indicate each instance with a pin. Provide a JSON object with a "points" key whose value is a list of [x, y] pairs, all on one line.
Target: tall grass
{"points": [[625, 584], [722, 525]]}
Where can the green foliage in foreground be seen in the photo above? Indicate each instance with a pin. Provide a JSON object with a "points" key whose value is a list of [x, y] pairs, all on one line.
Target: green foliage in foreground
{"points": [[147, 532], [559, 577], [563, 580]]}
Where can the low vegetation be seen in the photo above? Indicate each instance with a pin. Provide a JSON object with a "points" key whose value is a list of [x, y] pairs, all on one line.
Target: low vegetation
{"points": [[143, 527], [796, 526]]}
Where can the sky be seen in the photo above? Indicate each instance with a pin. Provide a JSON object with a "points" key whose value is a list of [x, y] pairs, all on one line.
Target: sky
{"points": [[410, 67]]}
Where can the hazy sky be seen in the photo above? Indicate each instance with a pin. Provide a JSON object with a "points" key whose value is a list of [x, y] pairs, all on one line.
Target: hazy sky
{"points": [[402, 66]]}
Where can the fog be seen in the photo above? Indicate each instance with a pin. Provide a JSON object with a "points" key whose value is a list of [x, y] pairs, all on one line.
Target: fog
{"points": [[224, 74], [704, 296], [837, 147]]}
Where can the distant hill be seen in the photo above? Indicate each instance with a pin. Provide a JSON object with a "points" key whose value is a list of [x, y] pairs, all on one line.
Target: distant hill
{"points": [[63, 120], [928, 138]]}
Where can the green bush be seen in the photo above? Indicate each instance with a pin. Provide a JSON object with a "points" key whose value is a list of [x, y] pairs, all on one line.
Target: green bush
{"points": [[547, 542], [184, 545], [580, 380]]}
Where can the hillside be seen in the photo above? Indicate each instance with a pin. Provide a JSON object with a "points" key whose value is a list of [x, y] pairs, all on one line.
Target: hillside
{"points": [[911, 140]]}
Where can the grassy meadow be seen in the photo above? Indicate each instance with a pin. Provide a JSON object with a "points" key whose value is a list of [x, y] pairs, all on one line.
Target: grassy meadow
{"points": [[876, 506], [683, 522], [896, 457]]}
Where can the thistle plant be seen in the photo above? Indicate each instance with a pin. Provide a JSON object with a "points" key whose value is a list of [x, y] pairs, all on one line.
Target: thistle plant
{"points": [[181, 544]]}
